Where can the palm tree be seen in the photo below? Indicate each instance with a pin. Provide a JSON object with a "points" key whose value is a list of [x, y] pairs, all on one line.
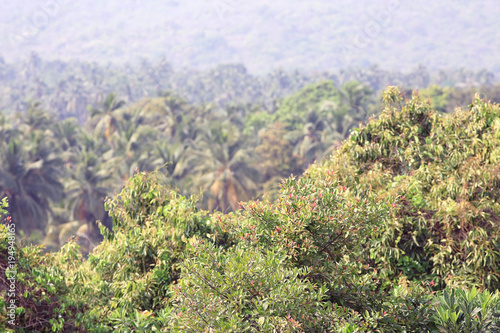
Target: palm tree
{"points": [[6, 129], [276, 159], [92, 180], [127, 145], [353, 108], [30, 181], [309, 145], [68, 133], [219, 164], [171, 155], [104, 118], [164, 113], [356, 95], [35, 120]]}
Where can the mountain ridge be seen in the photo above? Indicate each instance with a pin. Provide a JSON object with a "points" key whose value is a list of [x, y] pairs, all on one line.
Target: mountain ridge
{"points": [[313, 35]]}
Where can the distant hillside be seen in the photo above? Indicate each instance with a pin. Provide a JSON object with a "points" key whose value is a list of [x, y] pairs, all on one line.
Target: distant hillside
{"points": [[261, 34]]}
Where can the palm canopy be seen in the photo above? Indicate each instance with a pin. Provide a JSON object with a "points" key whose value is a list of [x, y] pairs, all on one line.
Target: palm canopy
{"points": [[219, 163], [104, 117], [127, 147], [30, 181], [91, 181]]}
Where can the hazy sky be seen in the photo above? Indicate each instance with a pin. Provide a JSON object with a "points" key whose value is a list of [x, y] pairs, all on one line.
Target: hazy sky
{"points": [[261, 34]]}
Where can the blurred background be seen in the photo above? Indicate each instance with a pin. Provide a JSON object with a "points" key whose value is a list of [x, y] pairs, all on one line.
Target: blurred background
{"points": [[262, 35]]}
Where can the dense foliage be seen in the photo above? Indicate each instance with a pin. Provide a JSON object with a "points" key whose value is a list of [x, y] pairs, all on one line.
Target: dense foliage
{"points": [[57, 173], [446, 169], [58, 166], [396, 232], [68, 87]]}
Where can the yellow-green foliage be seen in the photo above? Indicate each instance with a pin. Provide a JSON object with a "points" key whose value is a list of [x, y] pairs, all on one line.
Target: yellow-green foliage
{"points": [[130, 272], [45, 288], [407, 206], [446, 169]]}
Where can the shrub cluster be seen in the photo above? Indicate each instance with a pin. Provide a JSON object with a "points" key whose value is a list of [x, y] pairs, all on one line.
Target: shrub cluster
{"points": [[397, 232]]}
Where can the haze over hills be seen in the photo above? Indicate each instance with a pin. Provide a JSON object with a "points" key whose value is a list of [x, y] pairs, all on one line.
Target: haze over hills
{"points": [[311, 35]]}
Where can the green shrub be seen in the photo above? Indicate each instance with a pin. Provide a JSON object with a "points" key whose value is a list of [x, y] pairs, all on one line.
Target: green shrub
{"points": [[131, 271], [44, 288], [3, 206], [245, 290], [314, 221], [468, 311], [446, 172], [361, 243], [321, 227]]}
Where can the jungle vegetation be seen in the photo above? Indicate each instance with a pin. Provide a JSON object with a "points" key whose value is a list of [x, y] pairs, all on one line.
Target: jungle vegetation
{"points": [[395, 229]]}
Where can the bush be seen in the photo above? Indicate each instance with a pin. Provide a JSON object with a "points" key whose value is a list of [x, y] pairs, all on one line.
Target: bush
{"points": [[44, 288], [445, 170], [245, 290], [131, 271], [468, 311], [314, 221], [361, 243]]}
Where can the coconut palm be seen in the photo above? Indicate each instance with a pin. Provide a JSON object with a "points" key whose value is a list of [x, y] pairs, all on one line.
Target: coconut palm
{"points": [[30, 181], [171, 155], [127, 147], [165, 113], [68, 133], [92, 180], [219, 165], [104, 118], [35, 119]]}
